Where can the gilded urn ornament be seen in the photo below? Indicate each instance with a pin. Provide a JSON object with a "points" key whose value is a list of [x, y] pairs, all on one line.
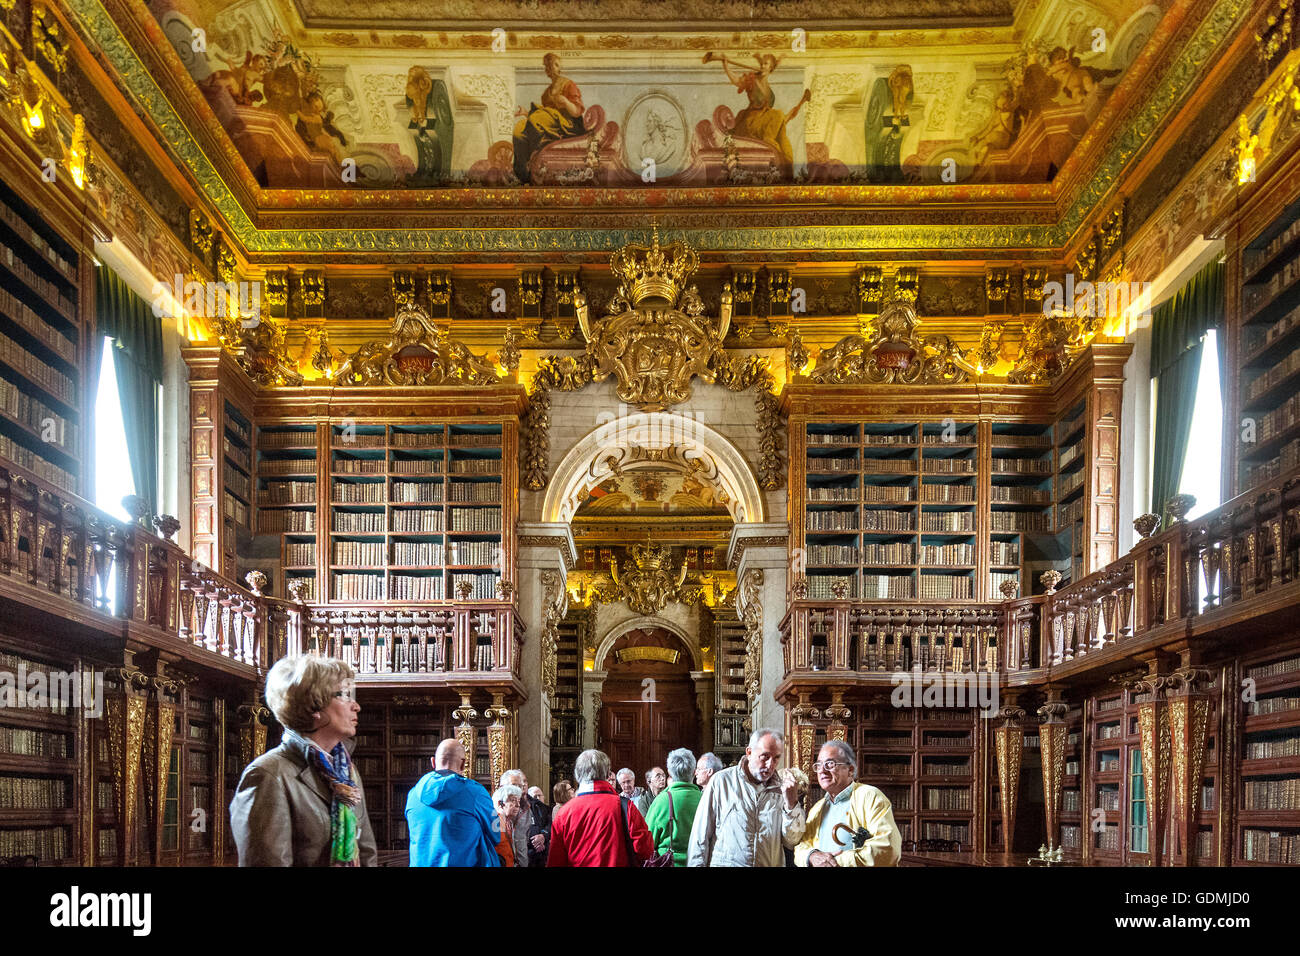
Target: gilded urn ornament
{"points": [[656, 337]]}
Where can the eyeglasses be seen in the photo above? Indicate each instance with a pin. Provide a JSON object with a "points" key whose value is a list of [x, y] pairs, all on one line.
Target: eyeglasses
{"points": [[827, 765], [348, 694]]}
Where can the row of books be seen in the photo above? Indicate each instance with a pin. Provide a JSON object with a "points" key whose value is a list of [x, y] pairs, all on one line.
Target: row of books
{"points": [[299, 553], [1273, 705], [24, 231], [49, 425], [1277, 747], [359, 553], [43, 287], [834, 494], [834, 520], [358, 587], [1019, 494], [945, 587], [1257, 337], [308, 589], [1289, 665], [1070, 512], [1068, 455], [959, 494], [25, 742], [948, 466], [286, 439], [24, 457], [1070, 801], [881, 587], [473, 552], [1019, 521], [45, 843], [286, 466], [1272, 794], [416, 466], [1254, 258], [1022, 466], [236, 428], [948, 521], [237, 482], [947, 554], [1108, 838], [291, 492], [1068, 427], [896, 552], [832, 554], [1068, 484], [823, 465], [1284, 368], [416, 553], [236, 510], [998, 578], [354, 522], [1279, 419], [483, 586], [279, 520], [1288, 457], [476, 519], [20, 313], [1257, 295], [362, 466], [238, 455], [415, 491], [823, 438], [1270, 846], [417, 521], [947, 798], [1004, 552], [33, 793], [956, 832], [1022, 441]]}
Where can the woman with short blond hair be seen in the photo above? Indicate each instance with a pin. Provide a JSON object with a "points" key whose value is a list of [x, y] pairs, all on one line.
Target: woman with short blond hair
{"points": [[302, 804]]}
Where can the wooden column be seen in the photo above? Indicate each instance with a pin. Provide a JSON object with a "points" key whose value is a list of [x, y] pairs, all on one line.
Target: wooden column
{"points": [[1051, 740], [1008, 748], [501, 750], [465, 731], [1189, 713], [1153, 726], [160, 726], [125, 711]]}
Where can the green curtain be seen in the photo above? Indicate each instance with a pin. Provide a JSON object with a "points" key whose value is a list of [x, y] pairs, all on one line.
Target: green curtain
{"points": [[136, 332], [1177, 327]]}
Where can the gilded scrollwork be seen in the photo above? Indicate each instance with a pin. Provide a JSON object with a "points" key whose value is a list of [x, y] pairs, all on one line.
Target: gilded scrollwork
{"points": [[417, 352], [892, 351], [750, 606]]}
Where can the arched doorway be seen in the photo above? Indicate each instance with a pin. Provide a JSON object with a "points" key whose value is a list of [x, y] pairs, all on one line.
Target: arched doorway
{"points": [[648, 702]]}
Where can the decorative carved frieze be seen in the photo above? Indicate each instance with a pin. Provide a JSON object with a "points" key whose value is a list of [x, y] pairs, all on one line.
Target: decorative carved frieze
{"points": [[892, 351], [417, 352]]}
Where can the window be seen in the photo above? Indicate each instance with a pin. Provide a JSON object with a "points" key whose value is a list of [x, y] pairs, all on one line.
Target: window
{"points": [[113, 479], [1202, 466], [1137, 805]]}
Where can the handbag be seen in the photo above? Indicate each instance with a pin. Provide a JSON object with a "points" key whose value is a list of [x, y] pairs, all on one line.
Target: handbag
{"points": [[663, 859]]}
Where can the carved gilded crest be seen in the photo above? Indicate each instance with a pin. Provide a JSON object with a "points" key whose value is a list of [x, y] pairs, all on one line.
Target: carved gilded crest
{"points": [[418, 352], [656, 337], [892, 351]]}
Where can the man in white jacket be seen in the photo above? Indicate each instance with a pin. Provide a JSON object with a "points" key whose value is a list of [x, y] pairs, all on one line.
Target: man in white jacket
{"points": [[748, 812]]}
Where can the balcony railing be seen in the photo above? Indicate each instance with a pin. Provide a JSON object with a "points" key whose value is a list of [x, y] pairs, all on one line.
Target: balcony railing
{"points": [[1240, 561], [454, 638], [64, 556]]}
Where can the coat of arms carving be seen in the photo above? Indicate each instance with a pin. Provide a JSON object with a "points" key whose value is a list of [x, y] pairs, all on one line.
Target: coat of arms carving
{"points": [[655, 338]]}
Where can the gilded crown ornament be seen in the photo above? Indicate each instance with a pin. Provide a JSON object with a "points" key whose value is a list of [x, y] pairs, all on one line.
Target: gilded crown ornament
{"points": [[655, 338], [652, 582]]}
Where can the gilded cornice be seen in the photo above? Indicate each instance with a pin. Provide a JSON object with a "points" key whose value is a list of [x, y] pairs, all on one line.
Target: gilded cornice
{"points": [[1130, 131]]}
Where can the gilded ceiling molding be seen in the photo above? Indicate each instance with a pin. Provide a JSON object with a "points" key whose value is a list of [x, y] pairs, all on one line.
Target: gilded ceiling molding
{"points": [[417, 352], [894, 352], [1126, 140]]}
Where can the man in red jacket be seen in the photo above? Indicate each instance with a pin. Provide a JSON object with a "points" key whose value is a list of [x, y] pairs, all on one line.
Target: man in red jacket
{"points": [[597, 826]]}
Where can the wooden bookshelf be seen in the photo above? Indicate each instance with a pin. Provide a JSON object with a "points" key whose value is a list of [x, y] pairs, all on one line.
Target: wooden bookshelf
{"points": [[41, 398], [1269, 351], [287, 493], [1268, 799], [394, 747], [38, 773]]}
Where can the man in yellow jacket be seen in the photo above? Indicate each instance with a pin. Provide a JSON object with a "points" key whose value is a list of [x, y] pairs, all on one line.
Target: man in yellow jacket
{"points": [[855, 805]]}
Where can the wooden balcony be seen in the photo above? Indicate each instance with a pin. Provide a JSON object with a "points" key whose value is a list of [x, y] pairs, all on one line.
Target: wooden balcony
{"points": [[63, 561], [1224, 578]]}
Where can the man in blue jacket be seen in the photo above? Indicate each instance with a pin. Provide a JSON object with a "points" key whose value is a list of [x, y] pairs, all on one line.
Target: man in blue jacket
{"points": [[451, 818]]}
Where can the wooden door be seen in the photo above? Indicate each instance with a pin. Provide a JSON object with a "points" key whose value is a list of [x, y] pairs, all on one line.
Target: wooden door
{"points": [[638, 733]]}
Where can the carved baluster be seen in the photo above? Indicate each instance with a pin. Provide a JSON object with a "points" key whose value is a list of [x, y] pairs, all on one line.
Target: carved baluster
{"points": [[1275, 531]]}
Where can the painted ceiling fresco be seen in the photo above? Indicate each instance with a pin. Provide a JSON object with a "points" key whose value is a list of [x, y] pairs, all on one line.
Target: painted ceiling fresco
{"points": [[648, 492], [328, 108]]}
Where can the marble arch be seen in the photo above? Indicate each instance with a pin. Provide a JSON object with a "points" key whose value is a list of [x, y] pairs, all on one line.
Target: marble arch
{"points": [[653, 440]]}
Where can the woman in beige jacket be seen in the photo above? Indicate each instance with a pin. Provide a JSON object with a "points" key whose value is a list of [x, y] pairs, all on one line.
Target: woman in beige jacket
{"points": [[302, 804]]}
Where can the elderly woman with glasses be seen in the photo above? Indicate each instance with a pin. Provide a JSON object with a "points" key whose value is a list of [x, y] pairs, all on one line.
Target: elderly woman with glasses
{"points": [[853, 824], [302, 804]]}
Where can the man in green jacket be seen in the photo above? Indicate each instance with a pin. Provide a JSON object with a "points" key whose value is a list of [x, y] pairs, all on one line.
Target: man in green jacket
{"points": [[673, 811]]}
